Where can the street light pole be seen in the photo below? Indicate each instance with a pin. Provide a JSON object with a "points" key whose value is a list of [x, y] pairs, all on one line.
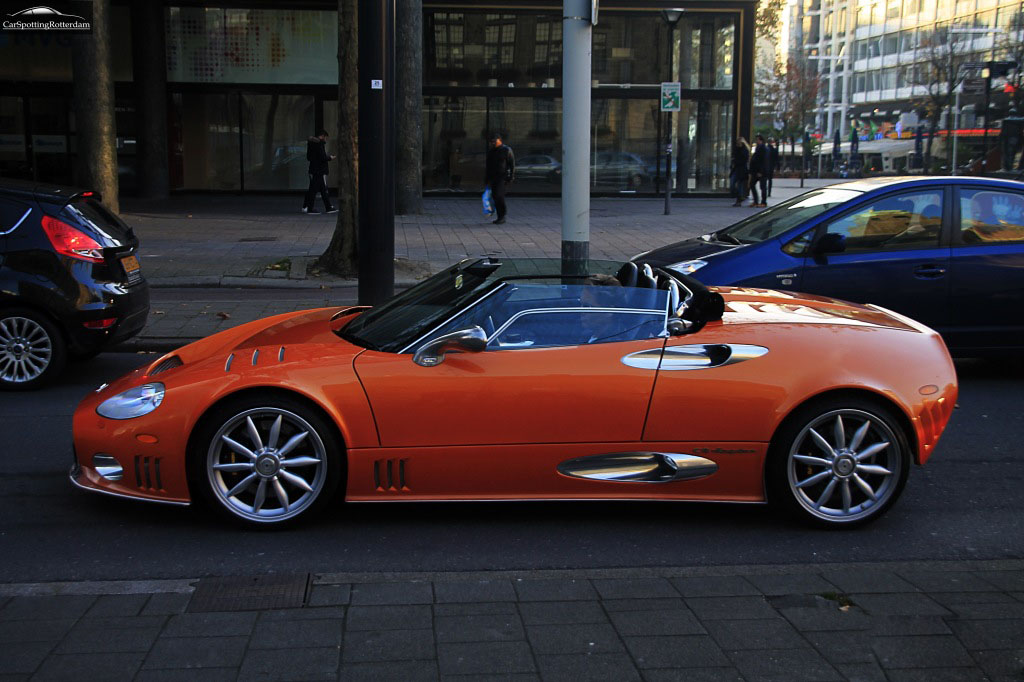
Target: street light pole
{"points": [[671, 17], [578, 17]]}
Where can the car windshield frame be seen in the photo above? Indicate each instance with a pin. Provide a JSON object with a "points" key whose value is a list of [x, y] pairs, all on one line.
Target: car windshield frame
{"points": [[783, 217]]}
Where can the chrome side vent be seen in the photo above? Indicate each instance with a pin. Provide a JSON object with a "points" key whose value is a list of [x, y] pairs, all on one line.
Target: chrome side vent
{"points": [[147, 473], [169, 363], [390, 474]]}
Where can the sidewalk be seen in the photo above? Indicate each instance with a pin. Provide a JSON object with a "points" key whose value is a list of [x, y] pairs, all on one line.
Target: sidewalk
{"points": [[873, 621], [228, 242]]}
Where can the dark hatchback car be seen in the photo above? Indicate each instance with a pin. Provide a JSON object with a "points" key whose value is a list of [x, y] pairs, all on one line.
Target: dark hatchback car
{"points": [[946, 251], [70, 282]]}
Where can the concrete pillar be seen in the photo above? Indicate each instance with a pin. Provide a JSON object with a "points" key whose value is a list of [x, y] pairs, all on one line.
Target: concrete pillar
{"points": [[409, 106], [576, 59], [150, 71]]}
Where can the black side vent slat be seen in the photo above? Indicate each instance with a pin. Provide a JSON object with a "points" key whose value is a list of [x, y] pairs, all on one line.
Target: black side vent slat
{"points": [[147, 473], [156, 470], [393, 480], [145, 464], [169, 363], [138, 472]]}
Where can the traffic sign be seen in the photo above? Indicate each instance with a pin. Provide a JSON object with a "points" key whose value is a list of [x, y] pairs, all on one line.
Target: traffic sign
{"points": [[973, 86], [671, 97]]}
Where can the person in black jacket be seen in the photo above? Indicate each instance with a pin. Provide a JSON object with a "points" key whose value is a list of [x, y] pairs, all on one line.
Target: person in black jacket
{"points": [[501, 169], [759, 173], [738, 170], [316, 154]]}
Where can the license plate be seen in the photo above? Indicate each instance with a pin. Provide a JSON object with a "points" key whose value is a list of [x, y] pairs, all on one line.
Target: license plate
{"points": [[131, 264]]}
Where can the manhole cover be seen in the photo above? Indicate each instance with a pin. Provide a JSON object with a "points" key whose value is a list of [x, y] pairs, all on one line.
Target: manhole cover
{"points": [[258, 239], [250, 593]]}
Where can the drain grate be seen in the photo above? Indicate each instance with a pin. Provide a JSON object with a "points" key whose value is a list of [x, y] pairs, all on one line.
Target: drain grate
{"points": [[258, 239], [250, 593]]}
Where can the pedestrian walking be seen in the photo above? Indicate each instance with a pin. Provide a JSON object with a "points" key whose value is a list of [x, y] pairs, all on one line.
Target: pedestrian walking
{"points": [[316, 154], [501, 169], [759, 173], [773, 161], [738, 170]]}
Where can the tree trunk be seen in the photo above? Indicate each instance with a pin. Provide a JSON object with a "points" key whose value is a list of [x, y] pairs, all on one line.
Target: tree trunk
{"points": [[409, 107], [340, 256], [93, 97], [150, 70]]}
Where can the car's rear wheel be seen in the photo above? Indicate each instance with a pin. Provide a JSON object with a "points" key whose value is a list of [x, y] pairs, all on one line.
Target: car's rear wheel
{"points": [[839, 462], [267, 461], [32, 349]]}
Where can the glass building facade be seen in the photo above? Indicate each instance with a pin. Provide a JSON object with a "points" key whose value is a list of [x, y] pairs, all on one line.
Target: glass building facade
{"points": [[247, 85]]}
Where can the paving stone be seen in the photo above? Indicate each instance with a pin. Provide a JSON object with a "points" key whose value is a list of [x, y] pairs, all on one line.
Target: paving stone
{"points": [[715, 586], [843, 648], [474, 591], [212, 624], [694, 675], [166, 604], [393, 593], [286, 665], [950, 599], [763, 633], [495, 609], [554, 590], [389, 617], [861, 672], [330, 595], [867, 581], [827, 616], [616, 605], [1014, 610], [578, 638], [86, 638], [635, 588], [486, 628], [796, 583], [948, 581], [989, 634], [561, 612], [899, 605], [483, 658], [296, 634], [921, 651], [593, 668], [937, 675], [690, 651], [15, 631], [792, 665], [92, 667], [196, 652], [895, 626], [190, 675], [714, 608], [1001, 664], [1008, 581], [390, 671], [388, 645], [46, 608], [662, 622], [109, 605], [25, 657], [305, 613]]}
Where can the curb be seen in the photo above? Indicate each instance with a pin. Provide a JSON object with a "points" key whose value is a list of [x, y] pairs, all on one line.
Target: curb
{"points": [[215, 281]]}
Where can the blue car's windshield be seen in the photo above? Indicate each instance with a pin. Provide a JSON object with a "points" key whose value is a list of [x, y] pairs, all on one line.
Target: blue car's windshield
{"points": [[778, 219]]}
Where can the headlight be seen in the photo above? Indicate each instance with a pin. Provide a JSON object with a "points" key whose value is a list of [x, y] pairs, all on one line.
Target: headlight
{"points": [[134, 402], [688, 267]]}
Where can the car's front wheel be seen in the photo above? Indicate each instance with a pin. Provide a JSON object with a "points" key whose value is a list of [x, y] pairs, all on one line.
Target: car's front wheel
{"points": [[839, 462], [32, 349], [267, 460]]}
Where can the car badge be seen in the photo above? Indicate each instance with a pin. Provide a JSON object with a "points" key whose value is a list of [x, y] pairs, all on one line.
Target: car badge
{"points": [[458, 281]]}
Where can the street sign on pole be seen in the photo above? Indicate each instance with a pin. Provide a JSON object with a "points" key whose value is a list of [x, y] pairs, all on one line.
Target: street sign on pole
{"points": [[973, 86], [671, 97]]}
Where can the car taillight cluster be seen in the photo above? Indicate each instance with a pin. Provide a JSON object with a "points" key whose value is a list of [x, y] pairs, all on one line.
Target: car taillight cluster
{"points": [[72, 242]]}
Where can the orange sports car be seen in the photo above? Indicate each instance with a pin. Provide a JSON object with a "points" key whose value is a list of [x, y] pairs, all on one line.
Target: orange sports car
{"points": [[511, 380]]}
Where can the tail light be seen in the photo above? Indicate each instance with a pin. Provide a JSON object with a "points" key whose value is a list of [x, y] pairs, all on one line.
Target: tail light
{"points": [[105, 323], [71, 242]]}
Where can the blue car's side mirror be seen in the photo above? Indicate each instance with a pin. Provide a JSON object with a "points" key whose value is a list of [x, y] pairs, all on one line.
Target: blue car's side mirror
{"points": [[831, 243]]}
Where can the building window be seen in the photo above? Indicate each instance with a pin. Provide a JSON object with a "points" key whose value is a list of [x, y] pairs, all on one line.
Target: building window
{"points": [[449, 37], [500, 40], [548, 46]]}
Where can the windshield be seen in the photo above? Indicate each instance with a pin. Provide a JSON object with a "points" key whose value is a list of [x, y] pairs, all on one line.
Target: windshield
{"points": [[407, 317], [778, 219]]}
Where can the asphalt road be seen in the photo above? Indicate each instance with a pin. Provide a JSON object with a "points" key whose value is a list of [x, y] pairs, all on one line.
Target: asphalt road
{"points": [[966, 504]]}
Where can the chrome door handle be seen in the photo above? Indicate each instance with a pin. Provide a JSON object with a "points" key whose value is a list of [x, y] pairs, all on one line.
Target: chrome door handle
{"points": [[929, 271]]}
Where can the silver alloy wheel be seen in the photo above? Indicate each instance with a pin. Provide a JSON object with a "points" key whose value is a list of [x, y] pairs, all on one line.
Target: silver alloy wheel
{"points": [[25, 349], [844, 465], [266, 465]]}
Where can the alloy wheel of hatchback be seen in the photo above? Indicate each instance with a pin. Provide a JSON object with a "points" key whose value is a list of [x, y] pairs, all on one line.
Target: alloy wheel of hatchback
{"points": [[267, 465], [31, 350]]}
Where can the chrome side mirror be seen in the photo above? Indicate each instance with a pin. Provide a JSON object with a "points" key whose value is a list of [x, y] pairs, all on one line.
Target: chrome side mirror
{"points": [[471, 340]]}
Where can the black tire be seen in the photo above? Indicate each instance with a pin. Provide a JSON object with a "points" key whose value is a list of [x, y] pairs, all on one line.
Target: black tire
{"points": [[214, 486], [823, 489], [32, 350]]}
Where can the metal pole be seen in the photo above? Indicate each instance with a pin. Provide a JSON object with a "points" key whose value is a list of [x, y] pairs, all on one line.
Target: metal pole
{"points": [[668, 136], [956, 126], [984, 143], [576, 37], [376, 151]]}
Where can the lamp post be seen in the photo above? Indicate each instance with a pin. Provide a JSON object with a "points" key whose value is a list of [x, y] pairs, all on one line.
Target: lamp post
{"points": [[960, 86], [844, 56], [671, 17]]}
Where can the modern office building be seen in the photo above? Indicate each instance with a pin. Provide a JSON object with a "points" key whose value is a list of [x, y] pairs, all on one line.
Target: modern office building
{"points": [[248, 82]]}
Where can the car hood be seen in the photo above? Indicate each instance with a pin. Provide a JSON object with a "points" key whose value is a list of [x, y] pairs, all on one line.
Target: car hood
{"points": [[689, 249], [745, 305]]}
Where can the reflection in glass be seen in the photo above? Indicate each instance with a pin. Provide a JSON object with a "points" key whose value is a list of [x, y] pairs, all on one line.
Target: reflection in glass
{"points": [[706, 60], [705, 139], [454, 143], [625, 153], [276, 128], [13, 160], [204, 141]]}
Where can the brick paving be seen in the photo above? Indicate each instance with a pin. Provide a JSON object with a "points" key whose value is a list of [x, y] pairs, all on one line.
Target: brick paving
{"points": [[903, 621]]}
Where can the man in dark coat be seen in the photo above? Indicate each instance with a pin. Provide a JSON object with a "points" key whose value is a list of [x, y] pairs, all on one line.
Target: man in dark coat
{"points": [[501, 169], [316, 154], [759, 173]]}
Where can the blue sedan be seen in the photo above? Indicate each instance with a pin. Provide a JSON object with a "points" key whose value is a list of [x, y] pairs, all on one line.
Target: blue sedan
{"points": [[946, 251]]}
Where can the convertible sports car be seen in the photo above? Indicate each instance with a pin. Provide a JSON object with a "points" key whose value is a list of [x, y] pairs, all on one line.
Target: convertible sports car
{"points": [[508, 380]]}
